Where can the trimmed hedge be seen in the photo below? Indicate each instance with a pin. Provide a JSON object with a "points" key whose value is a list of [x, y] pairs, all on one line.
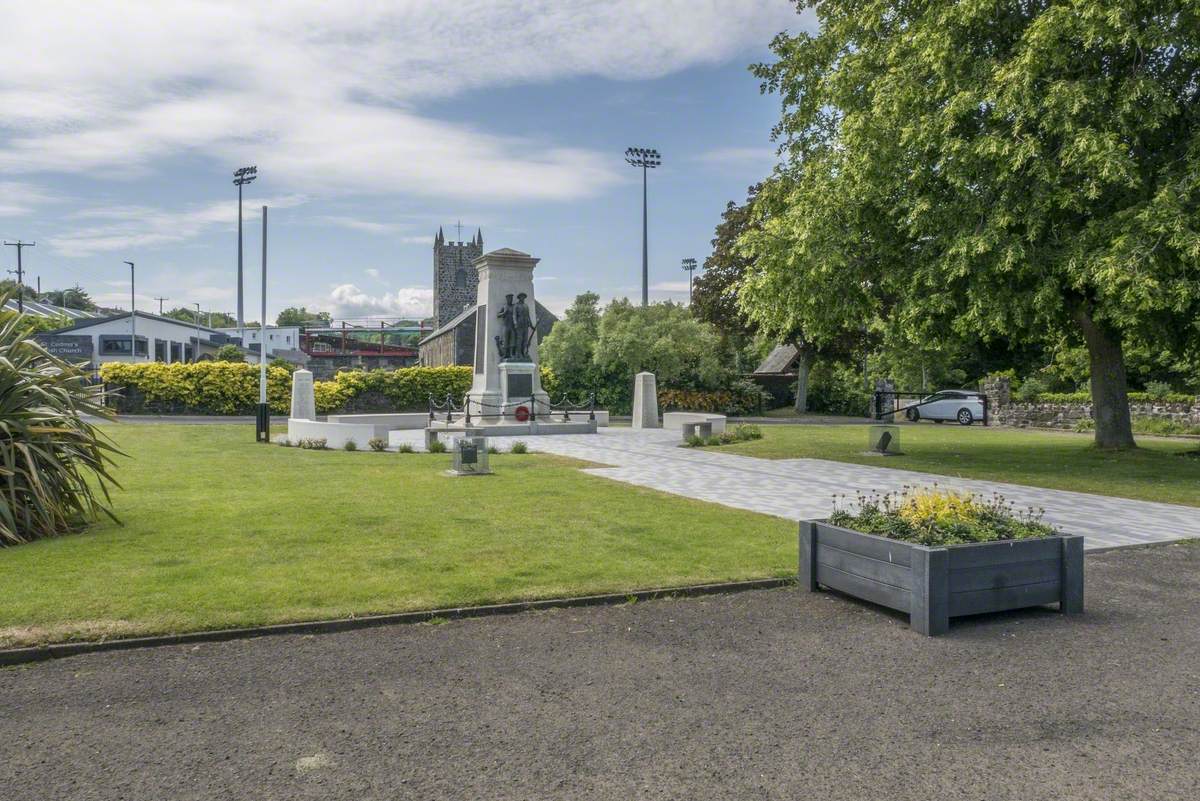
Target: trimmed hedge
{"points": [[736, 402], [232, 388], [1134, 397]]}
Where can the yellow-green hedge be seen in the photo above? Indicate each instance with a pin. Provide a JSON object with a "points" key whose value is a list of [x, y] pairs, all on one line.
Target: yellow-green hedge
{"points": [[232, 388]]}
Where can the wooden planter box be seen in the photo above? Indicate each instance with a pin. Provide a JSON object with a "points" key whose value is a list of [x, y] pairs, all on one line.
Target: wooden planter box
{"points": [[935, 584]]}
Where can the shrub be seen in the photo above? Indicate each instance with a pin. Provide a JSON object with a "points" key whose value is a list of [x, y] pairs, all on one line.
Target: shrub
{"points": [[519, 447], [377, 443], [713, 441], [493, 449], [313, 443], [742, 399], [1085, 425], [437, 446], [54, 466], [230, 353], [232, 388], [1030, 389], [1158, 390], [695, 441], [349, 445], [404, 447], [283, 441], [747, 432], [938, 517], [727, 437]]}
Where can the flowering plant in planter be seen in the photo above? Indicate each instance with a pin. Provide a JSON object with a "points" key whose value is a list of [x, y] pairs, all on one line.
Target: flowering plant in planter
{"points": [[934, 516]]}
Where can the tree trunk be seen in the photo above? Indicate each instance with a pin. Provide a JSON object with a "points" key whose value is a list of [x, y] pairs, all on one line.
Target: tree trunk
{"points": [[1110, 398], [803, 365]]}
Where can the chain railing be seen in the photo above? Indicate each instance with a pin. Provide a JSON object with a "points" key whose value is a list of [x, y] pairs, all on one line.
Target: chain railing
{"points": [[449, 408]]}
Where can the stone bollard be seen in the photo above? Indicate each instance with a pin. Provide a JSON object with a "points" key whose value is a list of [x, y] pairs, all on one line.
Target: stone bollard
{"points": [[304, 402], [645, 401]]}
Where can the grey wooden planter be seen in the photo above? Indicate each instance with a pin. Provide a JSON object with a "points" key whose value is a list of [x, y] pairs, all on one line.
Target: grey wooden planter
{"points": [[935, 584]]}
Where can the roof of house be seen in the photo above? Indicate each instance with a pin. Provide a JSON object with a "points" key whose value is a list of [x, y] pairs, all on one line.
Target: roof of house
{"points": [[39, 308], [781, 360], [93, 321]]}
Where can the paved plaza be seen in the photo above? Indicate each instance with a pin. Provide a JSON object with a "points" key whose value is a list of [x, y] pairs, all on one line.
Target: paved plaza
{"points": [[804, 488]]}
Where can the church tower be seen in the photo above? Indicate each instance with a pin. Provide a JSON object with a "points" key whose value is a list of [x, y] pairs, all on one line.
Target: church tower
{"points": [[455, 281]]}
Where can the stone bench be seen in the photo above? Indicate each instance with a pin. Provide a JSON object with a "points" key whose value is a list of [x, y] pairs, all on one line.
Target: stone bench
{"points": [[676, 420]]}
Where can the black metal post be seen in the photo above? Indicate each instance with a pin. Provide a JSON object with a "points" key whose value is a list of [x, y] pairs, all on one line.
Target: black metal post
{"points": [[592, 406]]}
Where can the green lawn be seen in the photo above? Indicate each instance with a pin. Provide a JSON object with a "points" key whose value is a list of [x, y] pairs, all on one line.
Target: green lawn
{"points": [[1058, 460], [219, 531]]}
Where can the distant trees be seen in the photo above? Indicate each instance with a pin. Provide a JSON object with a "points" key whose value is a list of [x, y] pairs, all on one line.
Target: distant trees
{"points": [[218, 319], [300, 316], [593, 350], [75, 297], [229, 353]]}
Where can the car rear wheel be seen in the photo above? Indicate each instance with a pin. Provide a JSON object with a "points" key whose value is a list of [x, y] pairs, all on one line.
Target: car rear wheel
{"points": [[965, 418], [913, 415]]}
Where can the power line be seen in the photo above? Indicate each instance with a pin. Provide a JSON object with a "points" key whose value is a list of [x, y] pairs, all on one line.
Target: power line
{"points": [[160, 304]]}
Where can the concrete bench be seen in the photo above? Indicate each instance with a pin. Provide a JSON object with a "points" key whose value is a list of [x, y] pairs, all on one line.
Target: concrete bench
{"points": [[690, 430], [676, 420]]}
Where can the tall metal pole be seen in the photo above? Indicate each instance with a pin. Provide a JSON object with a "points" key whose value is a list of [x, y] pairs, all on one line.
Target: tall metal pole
{"points": [[689, 266], [19, 245], [645, 244], [196, 352], [241, 176], [264, 414], [132, 316], [241, 320]]}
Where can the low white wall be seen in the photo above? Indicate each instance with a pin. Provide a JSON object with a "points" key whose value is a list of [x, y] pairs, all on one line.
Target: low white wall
{"points": [[389, 422], [674, 420], [335, 434]]}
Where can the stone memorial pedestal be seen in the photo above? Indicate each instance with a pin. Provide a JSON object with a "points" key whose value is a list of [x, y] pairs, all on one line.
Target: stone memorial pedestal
{"points": [[470, 457], [304, 403], [645, 401]]}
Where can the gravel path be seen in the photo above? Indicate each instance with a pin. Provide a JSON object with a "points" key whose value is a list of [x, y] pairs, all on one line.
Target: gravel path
{"points": [[776, 694]]}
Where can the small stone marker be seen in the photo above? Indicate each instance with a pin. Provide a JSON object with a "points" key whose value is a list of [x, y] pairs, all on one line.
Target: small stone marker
{"points": [[470, 457], [645, 401], [304, 402], [883, 440]]}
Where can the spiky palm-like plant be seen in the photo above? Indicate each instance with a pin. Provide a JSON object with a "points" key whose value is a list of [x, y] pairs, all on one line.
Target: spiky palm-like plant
{"points": [[54, 464]]}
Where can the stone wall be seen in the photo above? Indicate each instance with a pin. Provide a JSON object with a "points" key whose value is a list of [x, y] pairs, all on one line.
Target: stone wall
{"points": [[1067, 416]]}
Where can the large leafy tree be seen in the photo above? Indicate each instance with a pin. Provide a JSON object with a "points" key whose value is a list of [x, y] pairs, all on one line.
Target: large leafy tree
{"points": [[1021, 169], [302, 317], [74, 297]]}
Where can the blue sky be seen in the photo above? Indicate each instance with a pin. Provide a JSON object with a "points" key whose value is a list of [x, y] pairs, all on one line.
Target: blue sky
{"points": [[370, 128]]}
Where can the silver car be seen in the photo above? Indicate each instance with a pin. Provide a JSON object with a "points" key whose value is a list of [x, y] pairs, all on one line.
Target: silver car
{"points": [[949, 404]]}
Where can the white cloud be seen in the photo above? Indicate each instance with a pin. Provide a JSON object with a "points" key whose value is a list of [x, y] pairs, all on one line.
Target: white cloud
{"points": [[371, 271], [348, 301], [354, 223], [670, 286], [127, 228], [18, 198], [327, 96]]}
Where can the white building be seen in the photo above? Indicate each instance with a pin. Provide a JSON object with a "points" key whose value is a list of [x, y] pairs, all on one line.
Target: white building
{"points": [[279, 338], [107, 339]]}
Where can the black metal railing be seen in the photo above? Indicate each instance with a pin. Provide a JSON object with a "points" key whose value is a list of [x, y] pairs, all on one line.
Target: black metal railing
{"points": [[449, 408]]}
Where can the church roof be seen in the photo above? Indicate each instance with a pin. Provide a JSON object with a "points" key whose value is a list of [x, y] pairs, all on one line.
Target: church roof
{"points": [[780, 360]]}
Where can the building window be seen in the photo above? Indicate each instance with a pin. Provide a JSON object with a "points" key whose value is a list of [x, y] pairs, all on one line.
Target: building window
{"points": [[460, 279], [118, 345], [160, 350], [176, 354]]}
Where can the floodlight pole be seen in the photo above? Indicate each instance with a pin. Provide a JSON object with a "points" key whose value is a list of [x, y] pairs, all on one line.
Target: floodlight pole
{"points": [[241, 176], [132, 317], [263, 429], [647, 159], [689, 265], [19, 245]]}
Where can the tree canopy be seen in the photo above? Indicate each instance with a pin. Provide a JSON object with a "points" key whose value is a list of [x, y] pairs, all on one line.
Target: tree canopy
{"points": [[301, 316], [1020, 169]]}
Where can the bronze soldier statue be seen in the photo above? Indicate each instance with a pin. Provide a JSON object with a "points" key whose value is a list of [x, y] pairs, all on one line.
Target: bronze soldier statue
{"points": [[507, 343], [522, 326]]}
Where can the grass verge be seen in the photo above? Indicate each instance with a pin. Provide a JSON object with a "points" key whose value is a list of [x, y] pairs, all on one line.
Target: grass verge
{"points": [[1156, 471], [222, 532]]}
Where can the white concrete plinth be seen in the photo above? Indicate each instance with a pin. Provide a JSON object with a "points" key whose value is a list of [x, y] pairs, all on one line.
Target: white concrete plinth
{"points": [[674, 420], [645, 401], [304, 402], [384, 422], [335, 434]]}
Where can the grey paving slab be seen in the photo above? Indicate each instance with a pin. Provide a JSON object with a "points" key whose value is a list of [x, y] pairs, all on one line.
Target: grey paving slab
{"points": [[805, 488]]}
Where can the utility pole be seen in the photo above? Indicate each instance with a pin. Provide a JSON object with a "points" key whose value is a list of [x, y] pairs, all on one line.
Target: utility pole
{"points": [[39, 289], [160, 303], [132, 317], [647, 159], [19, 245], [241, 177]]}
